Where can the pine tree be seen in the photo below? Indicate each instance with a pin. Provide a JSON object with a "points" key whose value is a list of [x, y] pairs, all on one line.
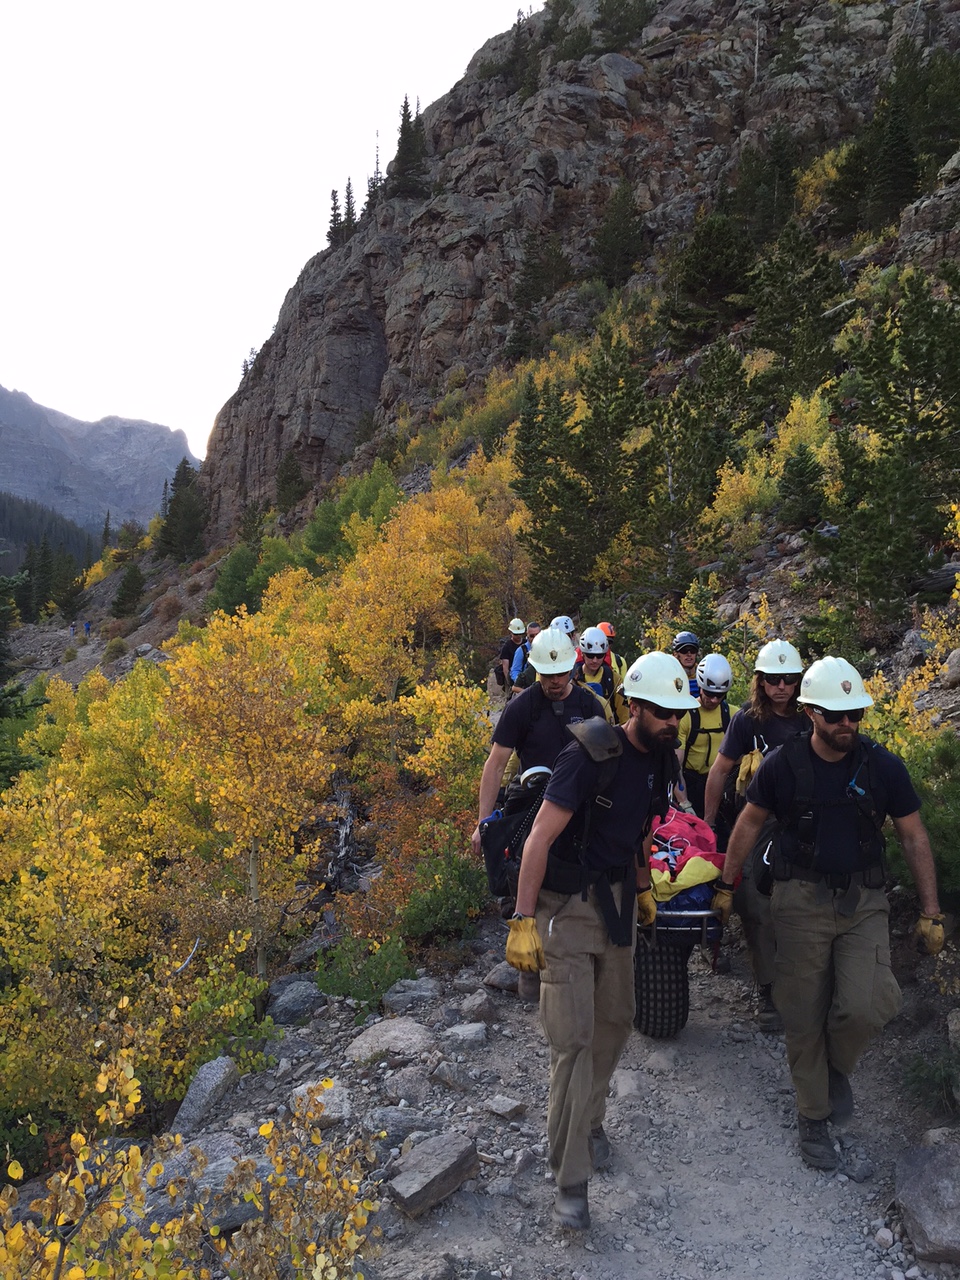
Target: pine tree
{"points": [[800, 490], [8, 617], [619, 239], [43, 577], [129, 593], [374, 185], [165, 500], [106, 535], [181, 533], [335, 230], [292, 484], [349, 213], [621, 22], [408, 172]]}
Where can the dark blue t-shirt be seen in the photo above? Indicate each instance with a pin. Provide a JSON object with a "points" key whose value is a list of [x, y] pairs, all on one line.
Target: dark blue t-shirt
{"points": [[532, 727], [616, 833], [746, 733], [773, 787]]}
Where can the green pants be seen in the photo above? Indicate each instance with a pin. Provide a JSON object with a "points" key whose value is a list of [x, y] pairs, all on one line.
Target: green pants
{"points": [[753, 908], [587, 1006], [834, 987]]}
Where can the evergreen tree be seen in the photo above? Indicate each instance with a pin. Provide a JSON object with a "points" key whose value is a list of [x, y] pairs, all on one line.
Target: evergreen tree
{"points": [[233, 587], [619, 239], [544, 269], [165, 500], [621, 22], [129, 593], [374, 185], [800, 490], [43, 578], [292, 484], [349, 213], [24, 594], [71, 598], [181, 533], [895, 180], [762, 200], [408, 177], [792, 287], [708, 278], [107, 535], [8, 617], [335, 230]]}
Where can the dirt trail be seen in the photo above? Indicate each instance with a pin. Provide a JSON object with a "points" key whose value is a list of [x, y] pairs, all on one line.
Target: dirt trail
{"points": [[705, 1179]]}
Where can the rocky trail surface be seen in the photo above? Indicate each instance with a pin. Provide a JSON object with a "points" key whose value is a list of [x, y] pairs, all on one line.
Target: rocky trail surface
{"points": [[705, 1179]]}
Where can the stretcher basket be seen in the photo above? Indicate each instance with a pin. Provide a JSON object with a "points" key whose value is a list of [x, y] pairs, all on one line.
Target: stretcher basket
{"points": [[660, 965]]}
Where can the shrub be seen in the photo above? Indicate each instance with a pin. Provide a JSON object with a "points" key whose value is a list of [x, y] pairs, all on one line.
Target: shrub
{"points": [[934, 1080], [364, 969], [69, 653], [167, 608], [116, 648], [449, 890]]}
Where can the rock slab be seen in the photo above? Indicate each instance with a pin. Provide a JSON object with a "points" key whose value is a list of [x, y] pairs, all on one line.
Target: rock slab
{"points": [[432, 1171], [928, 1192], [212, 1081]]}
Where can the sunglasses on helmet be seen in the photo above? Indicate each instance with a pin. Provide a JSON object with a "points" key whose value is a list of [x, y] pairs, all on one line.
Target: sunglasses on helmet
{"points": [[788, 678], [834, 717]]}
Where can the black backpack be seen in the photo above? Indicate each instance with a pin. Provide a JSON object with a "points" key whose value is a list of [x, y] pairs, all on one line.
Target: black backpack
{"points": [[503, 834]]}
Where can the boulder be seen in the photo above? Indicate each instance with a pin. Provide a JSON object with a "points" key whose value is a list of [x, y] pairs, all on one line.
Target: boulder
{"points": [[432, 1171], [928, 1193], [212, 1081], [401, 1037]]}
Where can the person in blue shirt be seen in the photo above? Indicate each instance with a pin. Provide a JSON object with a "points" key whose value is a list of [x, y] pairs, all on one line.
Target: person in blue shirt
{"points": [[686, 649], [521, 659]]}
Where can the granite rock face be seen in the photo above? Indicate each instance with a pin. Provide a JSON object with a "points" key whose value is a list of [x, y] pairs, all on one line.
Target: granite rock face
{"points": [[85, 469], [425, 287]]}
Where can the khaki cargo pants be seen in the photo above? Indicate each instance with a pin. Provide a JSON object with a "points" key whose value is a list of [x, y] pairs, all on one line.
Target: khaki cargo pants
{"points": [[834, 987], [587, 1006]]}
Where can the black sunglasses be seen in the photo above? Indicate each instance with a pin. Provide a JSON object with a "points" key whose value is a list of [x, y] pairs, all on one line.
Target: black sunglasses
{"points": [[791, 679], [687, 648], [834, 717], [662, 713]]}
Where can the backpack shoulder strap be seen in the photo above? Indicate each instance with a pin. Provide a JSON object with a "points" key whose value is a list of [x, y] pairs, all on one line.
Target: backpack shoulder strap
{"points": [[724, 716], [692, 735], [538, 699], [796, 752]]}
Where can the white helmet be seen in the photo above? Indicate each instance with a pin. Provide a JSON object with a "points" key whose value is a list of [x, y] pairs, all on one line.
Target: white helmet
{"points": [[835, 685], [779, 657], [714, 674], [660, 679], [563, 623], [516, 627], [551, 653], [594, 642]]}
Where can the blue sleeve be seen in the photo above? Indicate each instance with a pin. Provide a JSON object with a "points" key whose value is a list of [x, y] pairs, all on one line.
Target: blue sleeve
{"points": [[516, 666]]}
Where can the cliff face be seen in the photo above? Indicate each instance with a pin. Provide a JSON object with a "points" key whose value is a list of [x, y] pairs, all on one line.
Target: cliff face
{"points": [[427, 285], [84, 469]]}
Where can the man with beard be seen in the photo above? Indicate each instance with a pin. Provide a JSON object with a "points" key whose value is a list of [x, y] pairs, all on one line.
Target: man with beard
{"points": [[830, 791], [585, 866]]}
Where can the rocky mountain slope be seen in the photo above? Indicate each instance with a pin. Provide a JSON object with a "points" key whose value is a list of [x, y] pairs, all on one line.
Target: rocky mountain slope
{"points": [[425, 286], [84, 469]]}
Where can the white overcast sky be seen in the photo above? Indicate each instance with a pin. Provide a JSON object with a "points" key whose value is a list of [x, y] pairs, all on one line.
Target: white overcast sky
{"points": [[166, 172]]}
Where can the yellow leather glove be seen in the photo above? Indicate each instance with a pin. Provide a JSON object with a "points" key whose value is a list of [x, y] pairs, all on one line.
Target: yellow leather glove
{"points": [[722, 901], [929, 934], [524, 948], [646, 907]]}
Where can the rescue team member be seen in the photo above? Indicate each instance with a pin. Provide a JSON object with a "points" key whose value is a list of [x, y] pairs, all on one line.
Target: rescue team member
{"points": [[686, 649], [830, 791], [769, 716], [520, 659], [702, 730], [593, 670], [618, 663], [534, 724], [587, 1001], [508, 650]]}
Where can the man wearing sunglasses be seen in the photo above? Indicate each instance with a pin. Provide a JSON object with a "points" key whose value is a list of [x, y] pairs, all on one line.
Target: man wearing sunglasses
{"points": [[830, 792], [686, 649], [583, 879], [768, 717]]}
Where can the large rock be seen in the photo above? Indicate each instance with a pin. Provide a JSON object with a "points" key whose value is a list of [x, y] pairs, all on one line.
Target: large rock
{"points": [[212, 1081], [296, 1002], [433, 1170], [333, 1104], [928, 1192], [400, 1037]]}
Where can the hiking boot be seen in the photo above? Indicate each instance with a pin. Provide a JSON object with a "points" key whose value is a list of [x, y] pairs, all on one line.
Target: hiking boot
{"points": [[570, 1207], [599, 1145], [841, 1097], [768, 1019], [816, 1147], [528, 987]]}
